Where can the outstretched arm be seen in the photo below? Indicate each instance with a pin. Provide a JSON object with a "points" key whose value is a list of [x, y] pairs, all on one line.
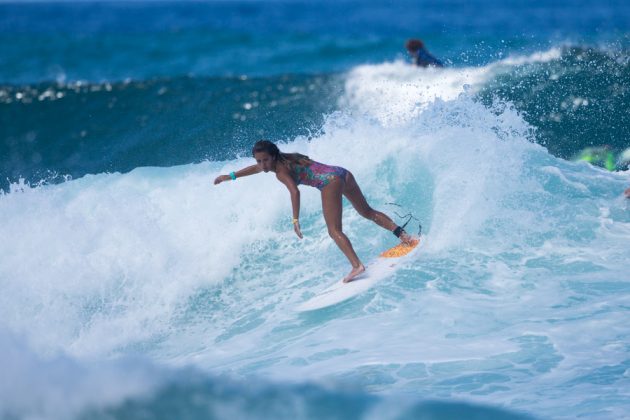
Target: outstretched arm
{"points": [[250, 170]]}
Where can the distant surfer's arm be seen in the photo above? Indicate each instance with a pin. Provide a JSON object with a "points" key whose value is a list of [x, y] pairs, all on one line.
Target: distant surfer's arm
{"points": [[250, 170], [425, 59], [285, 178]]}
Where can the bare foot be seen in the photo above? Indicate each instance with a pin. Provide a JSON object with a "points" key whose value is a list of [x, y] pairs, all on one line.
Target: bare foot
{"points": [[627, 193], [354, 273]]}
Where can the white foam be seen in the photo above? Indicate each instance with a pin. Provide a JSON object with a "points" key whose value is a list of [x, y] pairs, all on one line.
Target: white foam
{"points": [[99, 263], [394, 93], [536, 57]]}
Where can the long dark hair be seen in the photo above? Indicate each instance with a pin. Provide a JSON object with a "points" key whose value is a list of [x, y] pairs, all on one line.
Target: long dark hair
{"points": [[288, 159]]}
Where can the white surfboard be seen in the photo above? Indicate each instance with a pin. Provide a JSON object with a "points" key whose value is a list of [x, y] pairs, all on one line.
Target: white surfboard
{"points": [[379, 269]]}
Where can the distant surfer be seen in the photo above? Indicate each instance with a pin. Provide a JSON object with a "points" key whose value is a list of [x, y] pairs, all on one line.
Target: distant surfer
{"points": [[421, 57], [334, 182], [600, 156], [603, 156]]}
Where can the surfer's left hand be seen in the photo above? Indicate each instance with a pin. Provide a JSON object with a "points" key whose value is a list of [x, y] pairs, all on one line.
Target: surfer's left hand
{"points": [[296, 228]]}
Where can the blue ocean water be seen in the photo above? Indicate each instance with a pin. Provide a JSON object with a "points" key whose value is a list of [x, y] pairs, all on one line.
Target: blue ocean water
{"points": [[131, 287]]}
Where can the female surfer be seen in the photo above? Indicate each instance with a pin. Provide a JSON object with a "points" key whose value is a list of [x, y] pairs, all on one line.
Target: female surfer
{"points": [[293, 168]]}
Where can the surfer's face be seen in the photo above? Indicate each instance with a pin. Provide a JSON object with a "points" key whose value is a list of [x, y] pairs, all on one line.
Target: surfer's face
{"points": [[265, 161]]}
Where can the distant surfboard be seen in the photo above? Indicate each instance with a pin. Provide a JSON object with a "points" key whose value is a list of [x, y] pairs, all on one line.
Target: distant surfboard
{"points": [[382, 267]]}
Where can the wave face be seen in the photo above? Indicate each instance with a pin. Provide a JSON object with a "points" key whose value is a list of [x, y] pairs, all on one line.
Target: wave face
{"points": [[518, 297], [131, 286]]}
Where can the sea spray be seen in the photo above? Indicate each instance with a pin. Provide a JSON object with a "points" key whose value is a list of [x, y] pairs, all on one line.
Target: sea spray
{"points": [[132, 286]]}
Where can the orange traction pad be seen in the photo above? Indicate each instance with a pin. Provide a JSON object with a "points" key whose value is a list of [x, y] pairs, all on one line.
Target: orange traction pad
{"points": [[400, 250]]}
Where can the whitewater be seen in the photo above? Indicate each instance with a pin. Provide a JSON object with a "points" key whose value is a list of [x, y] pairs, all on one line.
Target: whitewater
{"points": [[161, 281]]}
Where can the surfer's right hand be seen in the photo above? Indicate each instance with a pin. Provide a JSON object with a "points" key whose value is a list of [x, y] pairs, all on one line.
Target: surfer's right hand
{"points": [[221, 178], [296, 228]]}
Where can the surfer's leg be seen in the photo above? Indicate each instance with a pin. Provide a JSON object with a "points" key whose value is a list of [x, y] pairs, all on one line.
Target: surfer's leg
{"points": [[332, 209], [353, 193]]}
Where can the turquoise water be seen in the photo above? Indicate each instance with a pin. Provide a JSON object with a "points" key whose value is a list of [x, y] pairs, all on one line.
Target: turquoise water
{"points": [[132, 287]]}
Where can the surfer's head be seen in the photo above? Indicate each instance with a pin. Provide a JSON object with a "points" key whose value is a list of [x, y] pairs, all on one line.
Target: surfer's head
{"points": [[414, 45], [267, 147], [266, 154]]}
